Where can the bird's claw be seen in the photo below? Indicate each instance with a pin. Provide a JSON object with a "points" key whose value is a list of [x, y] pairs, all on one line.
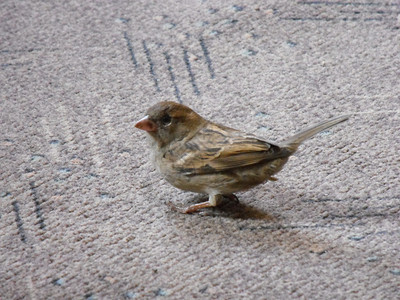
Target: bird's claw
{"points": [[232, 197], [182, 210]]}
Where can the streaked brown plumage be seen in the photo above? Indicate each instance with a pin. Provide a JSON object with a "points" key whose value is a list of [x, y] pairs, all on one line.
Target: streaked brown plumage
{"points": [[197, 155]]}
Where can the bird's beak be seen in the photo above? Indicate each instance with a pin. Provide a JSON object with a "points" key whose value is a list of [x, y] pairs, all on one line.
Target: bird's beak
{"points": [[146, 124]]}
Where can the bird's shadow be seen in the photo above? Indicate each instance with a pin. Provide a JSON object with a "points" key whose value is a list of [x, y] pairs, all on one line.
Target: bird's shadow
{"points": [[274, 230], [241, 211]]}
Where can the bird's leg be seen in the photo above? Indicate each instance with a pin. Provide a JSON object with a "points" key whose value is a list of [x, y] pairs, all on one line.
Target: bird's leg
{"points": [[212, 202], [232, 197]]}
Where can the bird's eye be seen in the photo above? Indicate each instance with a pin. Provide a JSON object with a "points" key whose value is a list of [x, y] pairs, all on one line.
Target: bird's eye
{"points": [[166, 120]]}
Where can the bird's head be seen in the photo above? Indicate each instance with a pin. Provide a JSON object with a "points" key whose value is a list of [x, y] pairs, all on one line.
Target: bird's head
{"points": [[170, 121]]}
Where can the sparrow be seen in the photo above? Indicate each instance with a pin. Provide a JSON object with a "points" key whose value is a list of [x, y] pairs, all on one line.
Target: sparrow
{"points": [[197, 155]]}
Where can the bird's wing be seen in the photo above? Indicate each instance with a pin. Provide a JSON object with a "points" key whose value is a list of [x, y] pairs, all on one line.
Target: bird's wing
{"points": [[217, 148]]}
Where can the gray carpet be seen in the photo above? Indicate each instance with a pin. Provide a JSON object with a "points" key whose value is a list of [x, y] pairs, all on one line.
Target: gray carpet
{"points": [[82, 209]]}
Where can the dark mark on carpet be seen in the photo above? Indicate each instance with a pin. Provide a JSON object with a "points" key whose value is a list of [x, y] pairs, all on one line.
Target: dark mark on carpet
{"points": [[130, 48], [337, 3], [284, 227], [343, 9], [151, 66], [189, 69], [207, 56], [38, 209], [19, 222], [173, 78]]}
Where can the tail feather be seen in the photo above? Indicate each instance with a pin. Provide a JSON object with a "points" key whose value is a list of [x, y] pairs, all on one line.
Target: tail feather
{"points": [[293, 142]]}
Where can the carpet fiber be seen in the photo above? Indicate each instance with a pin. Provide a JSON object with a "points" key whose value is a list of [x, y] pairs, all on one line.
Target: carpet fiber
{"points": [[82, 209]]}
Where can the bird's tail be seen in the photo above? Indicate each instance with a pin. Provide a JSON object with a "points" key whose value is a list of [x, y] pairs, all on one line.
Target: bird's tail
{"points": [[293, 142]]}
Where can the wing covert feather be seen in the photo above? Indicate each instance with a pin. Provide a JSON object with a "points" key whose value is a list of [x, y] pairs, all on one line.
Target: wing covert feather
{"points": [[217, 148]]}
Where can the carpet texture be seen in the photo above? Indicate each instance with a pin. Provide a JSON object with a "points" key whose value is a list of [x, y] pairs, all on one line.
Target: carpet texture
{"points": [[82, 209]]}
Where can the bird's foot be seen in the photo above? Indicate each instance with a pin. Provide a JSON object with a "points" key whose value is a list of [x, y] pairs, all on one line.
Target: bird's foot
{"points": [[190, 209]]}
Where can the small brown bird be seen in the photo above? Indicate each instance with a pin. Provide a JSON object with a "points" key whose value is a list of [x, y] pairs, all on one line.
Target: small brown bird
{"points": [[197, 155]]}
